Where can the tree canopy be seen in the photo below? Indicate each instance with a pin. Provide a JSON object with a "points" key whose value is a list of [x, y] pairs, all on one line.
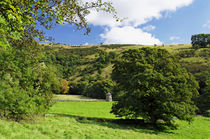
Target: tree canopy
{"points": [[18, 18], [155, 86], [200, 40]]}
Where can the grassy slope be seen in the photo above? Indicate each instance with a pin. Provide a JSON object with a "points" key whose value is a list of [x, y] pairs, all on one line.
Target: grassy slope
{"points": [[202, 61], [66, 125]]}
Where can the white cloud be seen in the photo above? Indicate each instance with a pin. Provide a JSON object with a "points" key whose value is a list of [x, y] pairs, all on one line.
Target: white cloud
{"points": [[149, 28], [128, 35], [173, 38], [137, 12], [207, 24]]}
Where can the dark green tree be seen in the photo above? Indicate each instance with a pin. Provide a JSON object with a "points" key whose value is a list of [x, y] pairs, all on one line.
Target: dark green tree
{"points": [[203, 102], [99, 89], [200, 40], [155, 86]]}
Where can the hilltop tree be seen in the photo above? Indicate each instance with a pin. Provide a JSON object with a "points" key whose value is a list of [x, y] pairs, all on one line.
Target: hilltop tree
{"points": [[200, 40], [19, 18], [155, 86]]}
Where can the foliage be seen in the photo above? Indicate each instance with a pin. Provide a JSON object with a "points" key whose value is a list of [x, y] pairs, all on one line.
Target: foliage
{"points": [[26, 82], [112, 55], [19, 18], [202, 77], [195, 61], [155, 86], [23, 70], [64, 87], [200, 40], [78, 87], [92, 87], [103, 59], [203, 102], [66, 64], [99, 89], [186, 53]]}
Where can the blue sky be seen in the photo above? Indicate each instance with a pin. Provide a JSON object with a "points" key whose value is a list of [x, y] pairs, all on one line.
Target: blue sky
{"points": [[148, 22]]}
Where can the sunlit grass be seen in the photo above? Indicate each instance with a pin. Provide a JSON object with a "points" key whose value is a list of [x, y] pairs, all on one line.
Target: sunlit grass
{"points": [[62, 122], [83, 109]]}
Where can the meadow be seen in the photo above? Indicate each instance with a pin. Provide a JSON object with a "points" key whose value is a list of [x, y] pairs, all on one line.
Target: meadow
{"points": [[31, 74], [78, 120], [77, 116]]}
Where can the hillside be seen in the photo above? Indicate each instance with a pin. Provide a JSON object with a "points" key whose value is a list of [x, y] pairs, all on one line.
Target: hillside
{"points": [[87, 68], [94, 60]]}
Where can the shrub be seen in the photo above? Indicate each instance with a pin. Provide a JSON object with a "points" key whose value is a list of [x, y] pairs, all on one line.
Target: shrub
{"points": [[65, 87], [112, 55], [26, 84], [78, 88], [92, 87], [99, 89]]}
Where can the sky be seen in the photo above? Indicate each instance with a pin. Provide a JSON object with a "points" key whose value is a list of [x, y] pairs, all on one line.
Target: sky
{"points": [[147, 22]]}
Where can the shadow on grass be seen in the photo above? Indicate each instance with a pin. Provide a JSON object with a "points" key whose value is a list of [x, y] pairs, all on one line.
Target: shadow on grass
{"points": [[137, 125]]}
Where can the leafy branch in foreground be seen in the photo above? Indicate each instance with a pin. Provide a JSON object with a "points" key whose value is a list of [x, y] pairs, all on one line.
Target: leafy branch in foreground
{"points": [[19, 18]]}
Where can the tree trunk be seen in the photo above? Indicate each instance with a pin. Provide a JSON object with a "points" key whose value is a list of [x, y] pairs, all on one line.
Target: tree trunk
{"points": [[153, 119]]}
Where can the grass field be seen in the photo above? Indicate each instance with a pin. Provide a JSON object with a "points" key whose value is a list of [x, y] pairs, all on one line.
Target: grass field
{"points": [[53, 127], [92, 120], [83, 109]]}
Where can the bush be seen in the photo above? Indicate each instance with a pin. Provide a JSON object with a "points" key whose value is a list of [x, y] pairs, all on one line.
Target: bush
{"points": [[99, 89], [112, 55], [78, 88], [65, 87], [26, 83], [155, 86], [203, 101], [92, 87], [186, 53]]}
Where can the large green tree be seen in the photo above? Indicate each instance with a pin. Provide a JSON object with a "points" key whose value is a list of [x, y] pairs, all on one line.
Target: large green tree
{"points": [[155, 86], [19, 18]]}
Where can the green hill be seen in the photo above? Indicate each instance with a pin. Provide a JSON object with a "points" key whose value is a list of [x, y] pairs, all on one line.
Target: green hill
{"points": [[95, 60], [87, 68]]}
